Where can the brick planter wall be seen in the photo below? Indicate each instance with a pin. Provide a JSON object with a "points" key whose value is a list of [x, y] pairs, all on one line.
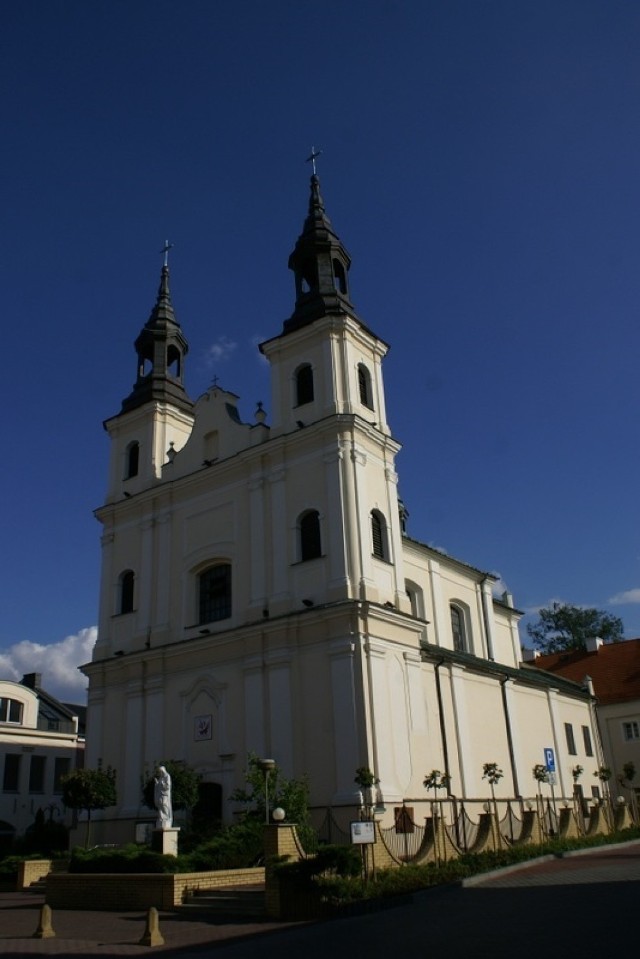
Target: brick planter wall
{"points": [[139, 890]]}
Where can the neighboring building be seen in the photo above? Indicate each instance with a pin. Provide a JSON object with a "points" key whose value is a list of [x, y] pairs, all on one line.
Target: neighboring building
{"points": [[613, 671], [260, 592], [41, 740]]}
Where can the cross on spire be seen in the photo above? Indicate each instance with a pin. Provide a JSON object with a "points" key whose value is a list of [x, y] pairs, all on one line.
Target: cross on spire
{"points": [[165, 249], [312, 158]]}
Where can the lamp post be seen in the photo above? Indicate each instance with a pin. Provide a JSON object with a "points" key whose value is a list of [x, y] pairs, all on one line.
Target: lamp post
{"points": [[267, 766]]}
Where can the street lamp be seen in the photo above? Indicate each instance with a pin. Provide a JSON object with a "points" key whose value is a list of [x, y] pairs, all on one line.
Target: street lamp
{"points": [[278, 814], [267, 766]]}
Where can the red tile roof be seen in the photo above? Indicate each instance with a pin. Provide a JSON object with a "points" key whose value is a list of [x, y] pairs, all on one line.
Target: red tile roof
{"points": [[614, 669]]}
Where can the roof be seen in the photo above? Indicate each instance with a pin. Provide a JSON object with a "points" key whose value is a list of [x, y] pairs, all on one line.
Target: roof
{"points": [[614, 669], [522, 673]]}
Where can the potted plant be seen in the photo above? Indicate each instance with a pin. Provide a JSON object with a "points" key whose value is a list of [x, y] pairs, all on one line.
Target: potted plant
{"points": [[367, 781]]}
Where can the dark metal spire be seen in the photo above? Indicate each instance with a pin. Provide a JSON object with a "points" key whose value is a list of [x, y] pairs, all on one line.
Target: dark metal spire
{"points": [[320, 263], [161, 348]]}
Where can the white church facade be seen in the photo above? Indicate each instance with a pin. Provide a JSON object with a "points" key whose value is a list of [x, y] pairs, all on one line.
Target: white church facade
{"points": [[260, 594]]}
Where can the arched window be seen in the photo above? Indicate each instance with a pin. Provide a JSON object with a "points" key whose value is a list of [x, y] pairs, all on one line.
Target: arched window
{"points": [[339, 277], [458, 629], [364, 386], [126, 585], [416, 598], [174, 358], [132, 460], [307, 277], [214, 593], [304, 385], [310, 544], [380, 546]]}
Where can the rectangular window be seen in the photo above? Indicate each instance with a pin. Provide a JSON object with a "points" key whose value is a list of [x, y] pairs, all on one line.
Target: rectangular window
{"points": [[11, 778], [10, 710], [595, 792], [36, 774], [61, 768], [571, 743], [586, 735], [631, 731]]}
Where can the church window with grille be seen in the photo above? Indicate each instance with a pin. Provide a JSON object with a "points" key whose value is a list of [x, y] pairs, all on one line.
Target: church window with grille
{"points": [[379, 542], [364, 386], [458, 628], [214, 593]]}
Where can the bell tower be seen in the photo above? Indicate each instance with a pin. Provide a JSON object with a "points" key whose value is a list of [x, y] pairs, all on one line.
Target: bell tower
{"points": [[157, 415], [326, 360], [328, 406]]}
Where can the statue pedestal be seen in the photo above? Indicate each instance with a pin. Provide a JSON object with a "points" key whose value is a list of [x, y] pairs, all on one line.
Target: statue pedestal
{"points": [[165, 841]]}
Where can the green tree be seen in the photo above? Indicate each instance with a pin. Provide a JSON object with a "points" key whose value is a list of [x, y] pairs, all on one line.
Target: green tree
{"points": [[89, 789], [436, 780], [563, 627], [184, 785], [291, 794]]}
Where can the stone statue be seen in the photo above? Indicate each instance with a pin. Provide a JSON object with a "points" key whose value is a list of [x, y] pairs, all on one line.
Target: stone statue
{"points": [[162, 798]]}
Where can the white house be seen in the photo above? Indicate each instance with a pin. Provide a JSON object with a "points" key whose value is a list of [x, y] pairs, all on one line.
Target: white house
{"points": [[612, 671], [260, 593], [41, 740]]}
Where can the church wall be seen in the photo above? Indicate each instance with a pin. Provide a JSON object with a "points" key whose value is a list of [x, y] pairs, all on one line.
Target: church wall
{"points": [[319, 663], [506, 637]]}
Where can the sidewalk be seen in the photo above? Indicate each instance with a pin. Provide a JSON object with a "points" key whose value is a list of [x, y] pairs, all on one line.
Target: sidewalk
{"points": [[92, 933], [617, 863], [527, 908]]}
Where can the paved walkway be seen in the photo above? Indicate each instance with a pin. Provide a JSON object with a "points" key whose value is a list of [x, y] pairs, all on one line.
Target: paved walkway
{"points": [[584, 902]]}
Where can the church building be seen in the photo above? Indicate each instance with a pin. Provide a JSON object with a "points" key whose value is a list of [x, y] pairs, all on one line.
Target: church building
{"points": [[260, 592]]}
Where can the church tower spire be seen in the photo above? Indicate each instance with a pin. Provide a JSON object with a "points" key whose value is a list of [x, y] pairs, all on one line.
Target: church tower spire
{"points": [[161, 348], [320, 264], [157, 415]]}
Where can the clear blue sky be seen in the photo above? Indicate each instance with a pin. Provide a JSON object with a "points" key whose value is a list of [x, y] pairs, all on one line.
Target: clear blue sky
{"points": [[481, 162]]}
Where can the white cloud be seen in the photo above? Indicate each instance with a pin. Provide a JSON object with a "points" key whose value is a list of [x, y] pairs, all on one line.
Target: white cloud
{"points": [[628, 596], [58, 663], [499, 588], [219, 351], [438, 549]]}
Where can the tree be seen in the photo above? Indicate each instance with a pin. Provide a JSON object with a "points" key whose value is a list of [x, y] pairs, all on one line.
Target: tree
{"points": [[184, 785], [291, 794], [436, 780], [564, 627], [89, 789]]}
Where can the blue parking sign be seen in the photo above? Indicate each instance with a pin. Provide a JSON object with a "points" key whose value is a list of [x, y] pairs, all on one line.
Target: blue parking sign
{"points": [[549, 759]]}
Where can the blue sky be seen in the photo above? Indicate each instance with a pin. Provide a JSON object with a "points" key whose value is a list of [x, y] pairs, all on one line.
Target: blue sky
{"points": [[480, 162]]}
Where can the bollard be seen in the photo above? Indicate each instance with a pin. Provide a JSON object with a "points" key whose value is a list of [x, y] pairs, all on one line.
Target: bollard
{"points": [[152, 935], [45, 929]]}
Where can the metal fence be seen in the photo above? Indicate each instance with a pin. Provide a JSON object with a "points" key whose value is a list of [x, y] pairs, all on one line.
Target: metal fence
{"points": [[470, 824]]}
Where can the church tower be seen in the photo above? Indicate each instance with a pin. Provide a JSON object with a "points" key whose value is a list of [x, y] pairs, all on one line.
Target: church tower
{"points": [[328, 400], [157, 415]]}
